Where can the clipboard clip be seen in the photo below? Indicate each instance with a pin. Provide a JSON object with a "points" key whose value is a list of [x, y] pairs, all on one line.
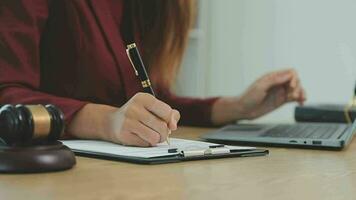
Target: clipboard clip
{"points": [[212, 150]]}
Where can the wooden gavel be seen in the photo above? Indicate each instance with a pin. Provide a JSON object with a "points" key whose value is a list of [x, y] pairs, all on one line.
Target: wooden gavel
{"points": [[26, 124]]}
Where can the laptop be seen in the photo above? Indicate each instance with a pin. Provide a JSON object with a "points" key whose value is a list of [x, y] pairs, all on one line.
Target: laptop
{"points": [[334, 136]]}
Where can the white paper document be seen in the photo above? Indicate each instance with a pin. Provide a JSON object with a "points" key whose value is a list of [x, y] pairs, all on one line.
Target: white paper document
{"points": [[95, 146]]}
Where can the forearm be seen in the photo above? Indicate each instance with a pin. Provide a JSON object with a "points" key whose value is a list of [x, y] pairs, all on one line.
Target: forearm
{"points": [[226, 110], [91, 122]]}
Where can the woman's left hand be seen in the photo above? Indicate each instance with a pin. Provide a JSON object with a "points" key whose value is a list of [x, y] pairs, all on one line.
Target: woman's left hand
{"points": [[264, 95]]}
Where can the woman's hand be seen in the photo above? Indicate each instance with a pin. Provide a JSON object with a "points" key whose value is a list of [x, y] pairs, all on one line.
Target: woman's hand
{"points": [[142, 121], [264, 95]]}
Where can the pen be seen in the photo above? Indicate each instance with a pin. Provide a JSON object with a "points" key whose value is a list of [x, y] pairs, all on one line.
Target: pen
{"points": [[139, 67], [140, 70]]}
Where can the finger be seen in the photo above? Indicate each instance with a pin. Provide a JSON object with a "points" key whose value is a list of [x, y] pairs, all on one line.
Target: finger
{"points": [[154, 123], [148, 135], [302, 97], [275, 79], [132, 139], [301, 93], [277, 73], [157, 107], [297, 93], [294, 80], [173, 124], [161, 110], [290, 95]]}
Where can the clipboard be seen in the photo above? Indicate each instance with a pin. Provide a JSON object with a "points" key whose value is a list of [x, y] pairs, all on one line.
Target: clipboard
{"points": [[186, 150]]}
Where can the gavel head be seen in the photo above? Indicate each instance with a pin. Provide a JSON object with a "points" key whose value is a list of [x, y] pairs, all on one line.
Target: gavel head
{"points": [[30, 124]]}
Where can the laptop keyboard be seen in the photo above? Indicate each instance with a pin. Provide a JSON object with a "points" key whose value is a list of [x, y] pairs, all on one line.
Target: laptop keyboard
{"points": [[313, 131]]}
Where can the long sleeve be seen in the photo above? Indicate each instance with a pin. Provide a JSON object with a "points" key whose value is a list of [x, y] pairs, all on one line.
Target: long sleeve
{"points": [[194, 111], [21, 27]]}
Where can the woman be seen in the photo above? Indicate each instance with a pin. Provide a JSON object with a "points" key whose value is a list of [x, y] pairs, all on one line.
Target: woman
{"points": [[72, 54]]}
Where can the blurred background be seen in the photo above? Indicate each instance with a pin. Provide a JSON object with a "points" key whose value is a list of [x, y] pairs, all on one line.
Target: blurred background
{"points": [[236, 41]]}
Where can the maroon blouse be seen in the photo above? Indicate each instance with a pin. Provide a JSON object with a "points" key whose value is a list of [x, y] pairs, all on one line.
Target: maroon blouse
{"points": [[71, 52]]}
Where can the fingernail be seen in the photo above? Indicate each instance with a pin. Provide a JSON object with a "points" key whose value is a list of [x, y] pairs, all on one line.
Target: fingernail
{"points": [[173, 126], [169, 131]]}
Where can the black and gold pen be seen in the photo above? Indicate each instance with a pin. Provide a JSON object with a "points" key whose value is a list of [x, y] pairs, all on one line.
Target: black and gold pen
{"points": [[139, 67], [140, 70]]}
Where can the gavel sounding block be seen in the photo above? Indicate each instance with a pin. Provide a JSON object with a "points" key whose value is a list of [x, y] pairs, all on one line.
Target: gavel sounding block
{"points": [[35, 159]]}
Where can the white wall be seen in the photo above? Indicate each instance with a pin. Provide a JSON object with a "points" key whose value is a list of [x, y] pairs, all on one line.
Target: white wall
{"points": [[247, 38]]}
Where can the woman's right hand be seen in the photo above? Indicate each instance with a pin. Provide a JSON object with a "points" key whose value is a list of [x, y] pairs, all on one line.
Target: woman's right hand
{"points": [[142, 121]]}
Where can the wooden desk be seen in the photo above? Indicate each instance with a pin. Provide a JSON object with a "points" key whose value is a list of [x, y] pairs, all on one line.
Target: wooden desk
{"points": [[284, 174]]}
